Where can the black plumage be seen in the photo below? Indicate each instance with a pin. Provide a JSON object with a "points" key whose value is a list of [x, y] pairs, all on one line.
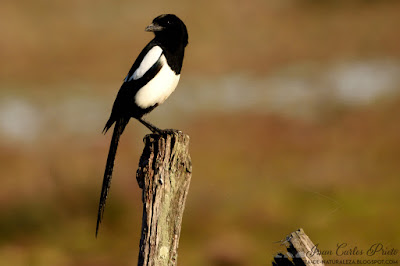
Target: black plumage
{"points": [[151, 79]]}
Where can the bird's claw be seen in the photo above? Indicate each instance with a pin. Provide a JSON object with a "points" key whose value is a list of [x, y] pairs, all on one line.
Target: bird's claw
{"points": [[167, 131]]}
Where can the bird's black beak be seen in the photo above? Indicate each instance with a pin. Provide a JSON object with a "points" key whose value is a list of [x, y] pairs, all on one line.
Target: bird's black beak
{"points": [[154, 27]]}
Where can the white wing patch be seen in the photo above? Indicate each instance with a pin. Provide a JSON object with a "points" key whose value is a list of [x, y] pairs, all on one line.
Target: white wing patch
{"points": [[157, 90], [148, 61]]}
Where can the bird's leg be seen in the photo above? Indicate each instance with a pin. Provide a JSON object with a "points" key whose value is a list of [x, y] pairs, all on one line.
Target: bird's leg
{"points": [[155, 129]]}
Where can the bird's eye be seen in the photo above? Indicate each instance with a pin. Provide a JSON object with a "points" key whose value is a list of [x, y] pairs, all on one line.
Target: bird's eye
{"points": [[169, 22]]}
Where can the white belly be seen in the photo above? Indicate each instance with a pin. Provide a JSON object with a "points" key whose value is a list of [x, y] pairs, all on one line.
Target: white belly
{"points": [[157, 90]]}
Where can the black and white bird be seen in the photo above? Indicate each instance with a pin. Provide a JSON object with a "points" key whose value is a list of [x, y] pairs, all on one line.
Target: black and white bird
{"points": [[152, 78]]}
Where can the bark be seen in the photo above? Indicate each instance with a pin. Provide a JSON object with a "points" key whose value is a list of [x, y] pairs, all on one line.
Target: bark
{"points": [[300, 251], [164, 175]]}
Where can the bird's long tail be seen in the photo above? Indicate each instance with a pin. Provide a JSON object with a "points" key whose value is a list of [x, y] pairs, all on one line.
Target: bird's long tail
{"points": [[118, 129]]}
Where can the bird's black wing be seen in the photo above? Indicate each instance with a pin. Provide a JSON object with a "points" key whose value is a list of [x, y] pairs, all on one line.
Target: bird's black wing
{"points": [[124, 107], [140, 57]]}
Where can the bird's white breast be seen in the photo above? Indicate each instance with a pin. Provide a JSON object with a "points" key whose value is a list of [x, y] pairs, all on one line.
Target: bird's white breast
{"points": [[157, 90]]}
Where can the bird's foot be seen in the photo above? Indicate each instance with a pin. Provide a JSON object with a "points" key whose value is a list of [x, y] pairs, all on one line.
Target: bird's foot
{"points": [[156, 130], [166, 131]]}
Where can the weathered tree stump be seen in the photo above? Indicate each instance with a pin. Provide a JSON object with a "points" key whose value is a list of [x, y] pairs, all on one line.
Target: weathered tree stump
{"points": [[164, 175], [300, 251]]}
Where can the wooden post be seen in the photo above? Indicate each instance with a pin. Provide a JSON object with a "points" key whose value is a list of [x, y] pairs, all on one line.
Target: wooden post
{"points": [[164, 174], [301, 251]]}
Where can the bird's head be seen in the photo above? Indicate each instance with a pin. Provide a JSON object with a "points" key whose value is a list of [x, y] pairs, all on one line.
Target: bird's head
{"points": [[169, 26]]}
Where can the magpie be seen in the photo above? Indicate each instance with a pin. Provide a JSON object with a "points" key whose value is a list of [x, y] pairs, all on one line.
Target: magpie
{"points": [[152, 78]]}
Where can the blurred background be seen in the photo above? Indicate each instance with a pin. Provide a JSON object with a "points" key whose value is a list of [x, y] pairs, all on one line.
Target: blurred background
{"points": [[292, 107]]}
